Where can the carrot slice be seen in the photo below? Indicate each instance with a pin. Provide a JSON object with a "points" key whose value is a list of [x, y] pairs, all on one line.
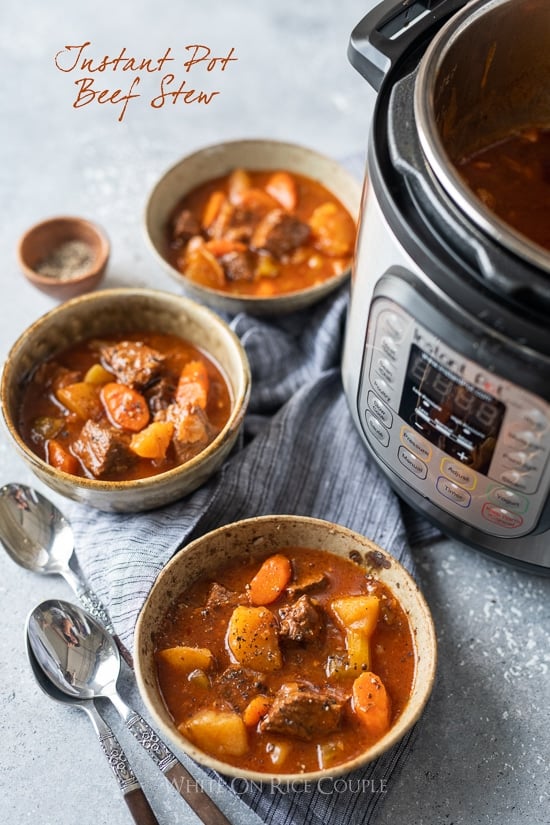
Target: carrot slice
{"points": [[371, 703], [255, 710], [212, 208], [125, 407], [223, 246], [270, 580], [282, 187], [193, 385], [60, 458]]}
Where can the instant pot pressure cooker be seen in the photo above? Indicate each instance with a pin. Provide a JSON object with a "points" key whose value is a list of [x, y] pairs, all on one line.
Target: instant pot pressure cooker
{"points": [[446, 362]]}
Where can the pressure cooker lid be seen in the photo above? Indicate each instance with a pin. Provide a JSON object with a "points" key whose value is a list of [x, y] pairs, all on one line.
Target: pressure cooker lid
{"points": [[404, 50], [484, 77]]}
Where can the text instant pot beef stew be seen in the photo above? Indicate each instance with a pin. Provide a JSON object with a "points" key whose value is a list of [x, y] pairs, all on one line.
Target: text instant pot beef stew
{"points": [[295, 663], [125, 407], [261, 234]]}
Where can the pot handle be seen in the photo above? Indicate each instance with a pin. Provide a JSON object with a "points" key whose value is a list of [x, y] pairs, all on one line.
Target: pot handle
{"points": [[390, 29]]}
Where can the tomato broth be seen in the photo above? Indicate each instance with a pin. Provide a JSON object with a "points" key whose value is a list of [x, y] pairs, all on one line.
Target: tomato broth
{"points": [[318, 664]]}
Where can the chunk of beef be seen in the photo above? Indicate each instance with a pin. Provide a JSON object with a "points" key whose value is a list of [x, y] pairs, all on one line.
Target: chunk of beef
{"points": [[310, 580], [132, 362], [304, 712], [185, 226], [161, 394], [237, 266], [280, 233], [103, 449], [238, 685], [301, 621], [51, 374], [220, 596], [192, 430]]}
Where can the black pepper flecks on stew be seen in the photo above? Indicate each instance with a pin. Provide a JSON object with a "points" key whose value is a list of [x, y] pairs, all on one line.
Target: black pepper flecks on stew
{"points": [[289, 664], [124, 407], [260, 233]]}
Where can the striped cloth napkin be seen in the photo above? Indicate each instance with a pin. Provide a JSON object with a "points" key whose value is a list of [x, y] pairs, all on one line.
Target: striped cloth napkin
{"points": [[299, 453]]}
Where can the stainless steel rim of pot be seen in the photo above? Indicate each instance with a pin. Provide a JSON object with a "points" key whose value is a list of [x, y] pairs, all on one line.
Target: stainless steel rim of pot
{"points": [[485, 74]]}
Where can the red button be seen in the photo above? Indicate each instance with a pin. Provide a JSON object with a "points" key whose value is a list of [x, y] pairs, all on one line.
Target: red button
{"points": [[500, 516]]}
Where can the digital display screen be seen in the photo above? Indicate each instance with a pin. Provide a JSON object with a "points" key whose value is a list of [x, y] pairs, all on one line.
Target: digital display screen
{"points": [[460, 419]]}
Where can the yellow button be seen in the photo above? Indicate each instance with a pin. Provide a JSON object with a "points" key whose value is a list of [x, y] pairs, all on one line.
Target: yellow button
{"points": [[458, 473]]}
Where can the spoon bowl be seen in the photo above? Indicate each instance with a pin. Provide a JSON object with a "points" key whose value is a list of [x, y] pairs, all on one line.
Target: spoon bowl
{"points": [[74, 651], [37, 536]]}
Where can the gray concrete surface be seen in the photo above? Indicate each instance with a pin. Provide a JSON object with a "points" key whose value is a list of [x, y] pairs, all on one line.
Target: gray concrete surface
{"points": [[482, 752]]}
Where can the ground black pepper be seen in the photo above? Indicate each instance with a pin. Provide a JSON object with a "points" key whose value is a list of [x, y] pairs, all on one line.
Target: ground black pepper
{"points": [[68, 260]]}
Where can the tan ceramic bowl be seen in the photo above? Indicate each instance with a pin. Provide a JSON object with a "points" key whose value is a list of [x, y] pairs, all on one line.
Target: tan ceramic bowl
{"points": [[119, 310], [214, 161], [251, 538], [43, 239]]}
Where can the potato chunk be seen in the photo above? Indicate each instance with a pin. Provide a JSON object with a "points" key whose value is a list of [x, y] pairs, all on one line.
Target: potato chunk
{"points": [[82, 399], [357, 612], [184, 659], [358, 616], [153, 441], [253, 639], [220, 733]]}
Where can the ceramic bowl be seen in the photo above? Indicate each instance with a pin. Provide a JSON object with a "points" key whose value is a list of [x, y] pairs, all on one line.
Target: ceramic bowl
{"points": [[115, 311], [64, 256], [215, 161], [251, 538]]}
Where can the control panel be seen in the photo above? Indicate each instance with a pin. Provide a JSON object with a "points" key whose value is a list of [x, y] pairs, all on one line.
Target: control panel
{"points": [[473, 443]]}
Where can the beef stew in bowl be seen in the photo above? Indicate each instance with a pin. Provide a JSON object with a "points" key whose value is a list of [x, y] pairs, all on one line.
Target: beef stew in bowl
{"points": [[116, 432], [124, 407], [261, 233], [257, 226], [284, 647]]}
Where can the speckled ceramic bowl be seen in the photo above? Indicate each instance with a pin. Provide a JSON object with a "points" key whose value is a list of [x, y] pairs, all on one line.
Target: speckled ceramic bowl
{"points": [[214, 161], [249, 539], [120, 310]]}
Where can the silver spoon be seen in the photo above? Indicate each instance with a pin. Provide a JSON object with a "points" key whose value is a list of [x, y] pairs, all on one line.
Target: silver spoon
{"points": [[81, 659], [38, 537], [127, 781]]}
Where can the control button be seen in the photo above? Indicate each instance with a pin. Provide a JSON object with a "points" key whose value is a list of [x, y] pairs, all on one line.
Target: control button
{"points": [[519, 460], [380, 410], [509, 500], [378, 430], [412, 463], [383, 389], [524, 439], [453, 492], [459, 474], [416, 443], [520, 481], [389, 347], [535, 419], [500, 516], [394, 325], [385, 369]]}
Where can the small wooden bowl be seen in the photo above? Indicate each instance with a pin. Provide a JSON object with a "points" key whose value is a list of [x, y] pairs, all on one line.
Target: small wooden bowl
{"points": [[48, 238]]}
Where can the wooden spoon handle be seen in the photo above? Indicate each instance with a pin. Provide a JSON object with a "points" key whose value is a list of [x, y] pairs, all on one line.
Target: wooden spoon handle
{"points": [[197, 799], [139, 807], [183, 781]]}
